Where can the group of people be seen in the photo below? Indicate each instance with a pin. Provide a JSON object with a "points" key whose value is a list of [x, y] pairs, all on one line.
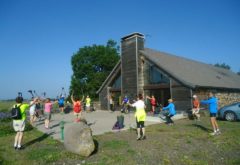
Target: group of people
{"points": [[212, 103], [170, 111], [140, 113], [35, 111]]}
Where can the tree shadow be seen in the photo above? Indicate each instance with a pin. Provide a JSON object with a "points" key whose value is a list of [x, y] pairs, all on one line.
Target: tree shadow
{"points": [[39, 139], [202, 127]]}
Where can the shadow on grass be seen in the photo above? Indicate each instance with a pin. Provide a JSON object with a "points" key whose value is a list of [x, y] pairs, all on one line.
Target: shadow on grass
{"points": [[93, 123], [40, 123], [55, 125], [202, 127], [96, 147], [39, 139]]}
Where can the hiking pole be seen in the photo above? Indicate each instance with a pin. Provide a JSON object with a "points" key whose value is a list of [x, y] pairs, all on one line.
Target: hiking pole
{"points": [[19, 94], [31, 92]]}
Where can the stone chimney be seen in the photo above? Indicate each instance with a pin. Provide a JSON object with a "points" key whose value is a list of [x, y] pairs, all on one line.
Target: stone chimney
{"points": [[130, 62]]}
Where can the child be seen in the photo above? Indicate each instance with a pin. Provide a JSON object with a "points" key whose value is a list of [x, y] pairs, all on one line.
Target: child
{"points": [[77, 107], [47, 111], [196, 107]]}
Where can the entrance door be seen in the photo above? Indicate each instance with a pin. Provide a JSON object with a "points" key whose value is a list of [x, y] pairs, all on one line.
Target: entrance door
{"points": [[161, 95]]}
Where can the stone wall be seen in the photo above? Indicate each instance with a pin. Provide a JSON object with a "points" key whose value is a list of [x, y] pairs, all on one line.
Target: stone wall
{"points": [[225, 97]]}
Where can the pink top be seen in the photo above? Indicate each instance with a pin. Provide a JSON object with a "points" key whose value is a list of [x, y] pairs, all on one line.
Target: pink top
{"points": [[48, 107]]}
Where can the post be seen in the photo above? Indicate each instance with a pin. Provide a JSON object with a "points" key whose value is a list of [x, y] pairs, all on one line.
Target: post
{"points": [[62, 130]]}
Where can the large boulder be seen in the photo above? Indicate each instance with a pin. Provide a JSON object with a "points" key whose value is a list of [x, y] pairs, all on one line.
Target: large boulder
{"points": [[78, 139]]}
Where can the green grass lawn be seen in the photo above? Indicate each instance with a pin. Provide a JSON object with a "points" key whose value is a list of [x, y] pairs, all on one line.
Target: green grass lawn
{"points": [[6, 105], [185, 143]]}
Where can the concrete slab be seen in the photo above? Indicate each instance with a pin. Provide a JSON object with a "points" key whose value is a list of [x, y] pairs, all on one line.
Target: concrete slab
{"points": [[100, 122]]}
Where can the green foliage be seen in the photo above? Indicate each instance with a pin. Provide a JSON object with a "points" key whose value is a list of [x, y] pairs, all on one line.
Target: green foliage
{"points": [[223, 65], [91, 65]]}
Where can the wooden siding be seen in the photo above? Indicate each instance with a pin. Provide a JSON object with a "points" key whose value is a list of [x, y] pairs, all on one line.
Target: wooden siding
{"points": [[181, 96], [103, 98], [129, 59]]}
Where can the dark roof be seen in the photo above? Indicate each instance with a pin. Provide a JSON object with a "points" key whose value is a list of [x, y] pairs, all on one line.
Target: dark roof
{"points": [[193, 73]]}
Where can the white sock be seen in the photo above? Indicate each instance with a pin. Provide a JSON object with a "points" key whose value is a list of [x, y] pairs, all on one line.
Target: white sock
{"points": [[218, 130], [15, 144], [215, 130], [19, 146]]}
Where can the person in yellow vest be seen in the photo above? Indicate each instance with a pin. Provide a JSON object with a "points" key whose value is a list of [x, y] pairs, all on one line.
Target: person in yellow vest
{"points": [[140, 115], [19, 124], [88, 103]]}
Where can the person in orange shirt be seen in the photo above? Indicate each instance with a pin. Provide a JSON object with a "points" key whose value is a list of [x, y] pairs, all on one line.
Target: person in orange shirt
{"points": [[196, 108]]}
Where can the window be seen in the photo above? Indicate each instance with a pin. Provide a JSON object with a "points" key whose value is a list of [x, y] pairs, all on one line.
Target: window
{"points": [[117, 82], [155, 76]]}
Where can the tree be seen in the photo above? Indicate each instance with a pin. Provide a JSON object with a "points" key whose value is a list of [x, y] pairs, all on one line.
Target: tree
{"points": [[223, 65], [91, 65]]}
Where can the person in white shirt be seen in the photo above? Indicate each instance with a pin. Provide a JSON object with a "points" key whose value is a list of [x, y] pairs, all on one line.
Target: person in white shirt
{"points": [[140, 115]]}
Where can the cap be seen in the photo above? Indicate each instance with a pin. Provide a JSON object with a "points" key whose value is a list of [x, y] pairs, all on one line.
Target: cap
{"points": [[170, 100], [194, 96]]}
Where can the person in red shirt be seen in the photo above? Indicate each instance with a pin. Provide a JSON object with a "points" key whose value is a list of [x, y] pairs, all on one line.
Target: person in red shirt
{"points": [[153, 103], [196, 107], [77, 109]]}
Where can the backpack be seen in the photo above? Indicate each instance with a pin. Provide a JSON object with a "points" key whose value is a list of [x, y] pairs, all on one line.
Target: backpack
{"points": [[16, 112]]}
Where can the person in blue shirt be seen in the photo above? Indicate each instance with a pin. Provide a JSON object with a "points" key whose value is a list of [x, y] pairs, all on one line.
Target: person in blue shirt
{"points": [[212, 103], [61, 103], [125, 105], [171, 112]]}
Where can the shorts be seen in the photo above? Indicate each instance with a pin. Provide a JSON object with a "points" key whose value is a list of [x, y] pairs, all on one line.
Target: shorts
{"points": [[47, 115], [32, 112], [19, 125], [195, 110], [61, 105], [140, 124], [213, 114], [77, 114], [88, 107]]}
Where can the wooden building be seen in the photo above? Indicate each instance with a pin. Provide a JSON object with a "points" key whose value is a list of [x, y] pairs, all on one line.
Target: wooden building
{"points": [[151, 72]]}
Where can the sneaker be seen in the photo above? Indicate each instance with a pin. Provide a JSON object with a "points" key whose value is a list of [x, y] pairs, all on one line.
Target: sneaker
{"points": [[143, 137], [213, 133], [19, 148], [218, 132], [138, 138], [15, 147]]}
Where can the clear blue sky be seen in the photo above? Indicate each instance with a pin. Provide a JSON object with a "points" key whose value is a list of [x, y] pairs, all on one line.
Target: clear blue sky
{"points": [[38, 37]]}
